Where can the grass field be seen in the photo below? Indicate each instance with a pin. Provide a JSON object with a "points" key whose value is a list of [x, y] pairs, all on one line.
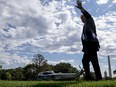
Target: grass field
{"points": [[57, 84]]}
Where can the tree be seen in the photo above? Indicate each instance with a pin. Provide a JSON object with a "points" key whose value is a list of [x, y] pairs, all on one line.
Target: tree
{"points": [[46, 67], [3, 75], [0, 67], [93, 77], [39, 60], [17, 74], [0, 71], [29, 72], [114, 72], [8, 76], [105, 74], [40, 63], [65, 68]]}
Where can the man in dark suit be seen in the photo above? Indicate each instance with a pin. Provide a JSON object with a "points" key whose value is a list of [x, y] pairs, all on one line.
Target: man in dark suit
{"points": [[90, 44]]}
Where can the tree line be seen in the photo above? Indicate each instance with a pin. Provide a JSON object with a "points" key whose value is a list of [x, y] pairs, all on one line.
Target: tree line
{"points": [[30, 71]]}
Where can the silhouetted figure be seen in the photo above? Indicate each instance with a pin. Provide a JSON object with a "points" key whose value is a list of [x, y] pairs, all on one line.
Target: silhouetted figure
{"points": [[90, 44]]}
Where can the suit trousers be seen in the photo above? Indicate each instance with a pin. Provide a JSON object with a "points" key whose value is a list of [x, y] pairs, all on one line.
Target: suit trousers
{"points": [[93, 58]]}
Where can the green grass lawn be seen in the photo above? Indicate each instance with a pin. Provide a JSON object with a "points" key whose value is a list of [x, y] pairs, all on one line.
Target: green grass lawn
{"points": [[57, 84]]}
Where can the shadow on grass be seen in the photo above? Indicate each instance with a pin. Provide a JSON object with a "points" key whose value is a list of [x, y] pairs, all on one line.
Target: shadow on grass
{"points": [[54, 84], [108, 86]]}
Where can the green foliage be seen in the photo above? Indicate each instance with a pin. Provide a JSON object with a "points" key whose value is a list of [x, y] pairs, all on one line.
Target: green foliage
{"points": [[0, 67], [40, 63], [30, 71], [17, 74], [114, 71], [0, 74], [39, 60], [64, 68], [3, 75], [8, 76], [12, 74]]}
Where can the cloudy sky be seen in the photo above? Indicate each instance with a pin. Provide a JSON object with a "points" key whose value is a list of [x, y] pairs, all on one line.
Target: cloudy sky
{"points": [[53, 28]]}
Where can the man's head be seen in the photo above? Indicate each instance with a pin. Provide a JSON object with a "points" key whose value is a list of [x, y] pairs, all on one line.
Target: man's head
{"points": [[83, 18]]}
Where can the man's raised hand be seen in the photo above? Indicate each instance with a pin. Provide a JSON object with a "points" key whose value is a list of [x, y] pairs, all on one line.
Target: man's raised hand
{"points": [[79, 4]]}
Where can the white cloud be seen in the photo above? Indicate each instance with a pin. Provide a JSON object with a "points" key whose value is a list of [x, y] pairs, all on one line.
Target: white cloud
{"points": [[68, 61], [13, 61], [31, 22], [114, 1], [64, 61], [102, 1], [54, 27], [106, 29]]}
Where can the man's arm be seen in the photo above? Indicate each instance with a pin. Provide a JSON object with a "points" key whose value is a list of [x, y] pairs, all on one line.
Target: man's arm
{"points": [[85, 13]]}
